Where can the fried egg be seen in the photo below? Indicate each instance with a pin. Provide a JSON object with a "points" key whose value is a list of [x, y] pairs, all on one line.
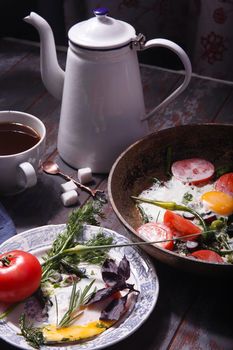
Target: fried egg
{"points": [[173, 191], [219, 202], [87, 325], [202, 198]]}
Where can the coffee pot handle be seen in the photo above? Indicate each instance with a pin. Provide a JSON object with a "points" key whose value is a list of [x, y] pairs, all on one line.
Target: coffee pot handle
{"points": [[184, 59]]}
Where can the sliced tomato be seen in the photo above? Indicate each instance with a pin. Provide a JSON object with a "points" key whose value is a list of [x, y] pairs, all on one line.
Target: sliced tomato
{"points": [[153, 231], [225, 184], [207, 255], [180, 226], [193, 170]]}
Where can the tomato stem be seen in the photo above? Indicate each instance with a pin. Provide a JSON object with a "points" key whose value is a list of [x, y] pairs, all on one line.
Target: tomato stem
{"points": [[5, 261]]}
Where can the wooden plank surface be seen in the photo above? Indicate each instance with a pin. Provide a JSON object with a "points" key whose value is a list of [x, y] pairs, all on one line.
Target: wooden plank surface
{"points": [[192, 312], [201, 102]]}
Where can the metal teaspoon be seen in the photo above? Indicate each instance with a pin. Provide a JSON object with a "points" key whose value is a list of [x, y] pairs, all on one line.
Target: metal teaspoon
{"points": [[52, 168]]}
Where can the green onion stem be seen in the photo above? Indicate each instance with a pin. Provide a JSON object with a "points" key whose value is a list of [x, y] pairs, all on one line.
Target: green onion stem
{"points": [[8, 310], [172, 206], [226, 251], [79, 248]]}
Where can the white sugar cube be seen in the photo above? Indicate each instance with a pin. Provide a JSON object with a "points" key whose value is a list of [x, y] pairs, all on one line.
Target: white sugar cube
{"points": [[68, 186], [84, 175], [69, 198]]}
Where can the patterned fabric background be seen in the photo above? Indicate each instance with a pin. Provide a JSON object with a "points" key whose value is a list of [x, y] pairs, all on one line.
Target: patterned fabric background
{"points": [[203, 28]]}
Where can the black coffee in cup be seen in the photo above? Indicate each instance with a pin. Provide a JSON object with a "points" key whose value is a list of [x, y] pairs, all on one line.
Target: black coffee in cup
{"points": [[16, 138]]}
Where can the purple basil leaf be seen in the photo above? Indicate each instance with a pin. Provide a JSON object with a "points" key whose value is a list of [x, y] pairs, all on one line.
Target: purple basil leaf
{"points": [[131, 288], [109, 265], [111, 278], [124, 268], [101, 294], [114, 309], [105, 293], [109, 272], [115, 277]]}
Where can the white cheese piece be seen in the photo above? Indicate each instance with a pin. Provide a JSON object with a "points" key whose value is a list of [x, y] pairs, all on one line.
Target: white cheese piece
{"points": [[84, 175], [69, 198], [68, 186]]}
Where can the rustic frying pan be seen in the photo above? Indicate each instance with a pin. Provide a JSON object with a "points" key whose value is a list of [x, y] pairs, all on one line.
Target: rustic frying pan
{"points": [[138, 164]]}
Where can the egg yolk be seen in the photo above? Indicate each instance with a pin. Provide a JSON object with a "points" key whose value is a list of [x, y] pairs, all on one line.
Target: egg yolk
{"points": [[219, 202]]}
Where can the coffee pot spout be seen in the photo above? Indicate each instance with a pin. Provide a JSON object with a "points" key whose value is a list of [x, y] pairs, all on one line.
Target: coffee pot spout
{"points": [[51, 73]]}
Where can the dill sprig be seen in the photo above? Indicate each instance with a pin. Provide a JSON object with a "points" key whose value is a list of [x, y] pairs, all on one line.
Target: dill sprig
{"points": [[77, 299], [96, 257], [33, 335], [86, 215]]}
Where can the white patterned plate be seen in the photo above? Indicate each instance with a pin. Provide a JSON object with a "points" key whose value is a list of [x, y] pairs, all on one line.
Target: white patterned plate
{"points": [[143, 275]]}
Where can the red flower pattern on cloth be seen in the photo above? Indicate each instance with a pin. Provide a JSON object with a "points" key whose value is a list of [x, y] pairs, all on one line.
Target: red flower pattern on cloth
{"points": [[214, 47], [219, 15], [203, 28]]}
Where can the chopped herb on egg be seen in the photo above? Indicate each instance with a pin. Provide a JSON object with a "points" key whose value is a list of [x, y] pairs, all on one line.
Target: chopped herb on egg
{"points": [[187, 197]]}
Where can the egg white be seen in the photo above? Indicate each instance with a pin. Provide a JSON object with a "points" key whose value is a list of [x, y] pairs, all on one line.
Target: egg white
{"points": [[61, 297], [173, 191]]}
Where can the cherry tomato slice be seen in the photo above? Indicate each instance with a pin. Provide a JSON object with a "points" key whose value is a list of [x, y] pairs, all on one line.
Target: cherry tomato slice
{"points": [[193, 170], [180, 226], [207, 255], [225, 184], [153, 231], [20, 275]]}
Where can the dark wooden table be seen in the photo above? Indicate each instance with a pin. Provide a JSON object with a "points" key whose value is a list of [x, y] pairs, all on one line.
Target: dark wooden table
{"points": [[192, 312]]}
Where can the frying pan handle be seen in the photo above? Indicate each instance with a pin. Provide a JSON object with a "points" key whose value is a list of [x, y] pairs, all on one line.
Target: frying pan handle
{"points": [[187, 66]]}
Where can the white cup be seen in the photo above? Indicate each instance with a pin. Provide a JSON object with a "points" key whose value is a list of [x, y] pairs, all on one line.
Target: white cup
{"points": [[19, 171]]}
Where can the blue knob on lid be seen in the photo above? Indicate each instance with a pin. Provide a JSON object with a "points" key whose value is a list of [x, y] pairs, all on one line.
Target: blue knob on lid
{"points": [[101, 11]]}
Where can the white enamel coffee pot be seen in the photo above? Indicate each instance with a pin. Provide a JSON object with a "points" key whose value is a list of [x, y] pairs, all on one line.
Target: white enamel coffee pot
{"points": [[102, 109]]}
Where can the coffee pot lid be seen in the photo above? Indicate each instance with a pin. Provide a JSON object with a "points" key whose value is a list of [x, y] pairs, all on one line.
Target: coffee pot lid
{"points": [[101, 32]]}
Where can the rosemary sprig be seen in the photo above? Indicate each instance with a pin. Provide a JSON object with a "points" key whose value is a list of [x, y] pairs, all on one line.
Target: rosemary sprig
{"points": [[77, 299], [172, 206]]}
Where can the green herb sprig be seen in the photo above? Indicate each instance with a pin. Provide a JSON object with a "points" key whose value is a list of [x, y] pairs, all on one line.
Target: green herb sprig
{"points": [[33, 335], [85, 215], [77, 299]]}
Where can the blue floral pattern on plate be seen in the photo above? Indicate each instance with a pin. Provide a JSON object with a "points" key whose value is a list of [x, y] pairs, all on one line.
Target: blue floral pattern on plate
{"points": [[38, 240]]}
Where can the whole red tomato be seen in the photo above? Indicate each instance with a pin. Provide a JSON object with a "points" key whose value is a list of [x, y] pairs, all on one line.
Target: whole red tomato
{"points": [[20, 275]]}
